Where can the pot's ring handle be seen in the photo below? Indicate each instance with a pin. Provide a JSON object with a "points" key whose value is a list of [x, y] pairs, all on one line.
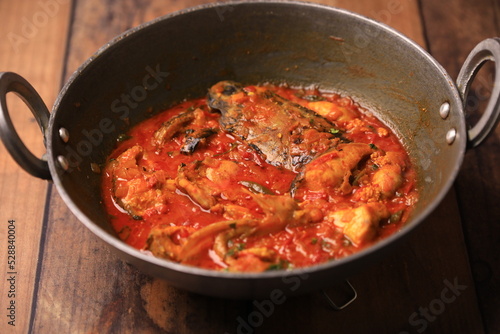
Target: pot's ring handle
{"points": [[11, 82], [488, 49], [348, 290]]}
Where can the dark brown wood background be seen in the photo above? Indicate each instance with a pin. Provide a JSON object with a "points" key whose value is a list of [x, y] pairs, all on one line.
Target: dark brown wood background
{"points": [[69, 282]]}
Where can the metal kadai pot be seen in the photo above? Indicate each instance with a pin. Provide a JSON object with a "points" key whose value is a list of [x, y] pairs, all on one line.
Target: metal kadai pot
{"points": [[181, 55]]}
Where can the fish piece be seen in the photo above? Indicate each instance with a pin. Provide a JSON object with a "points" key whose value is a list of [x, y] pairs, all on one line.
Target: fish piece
{"points": [[137, 189], [191, 180], [387, 178], [187, 246], [194, 138], [203, 239], [240, 259], [167, 241], [171, 127], [255, 260], [204, 181], [179, 124], [279, 211], [285, 133], [360, 224], [332, 111], [389, 175], [332, 170]]}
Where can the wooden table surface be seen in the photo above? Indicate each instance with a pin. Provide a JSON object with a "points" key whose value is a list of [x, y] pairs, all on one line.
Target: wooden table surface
{"points": [[444, 279]]}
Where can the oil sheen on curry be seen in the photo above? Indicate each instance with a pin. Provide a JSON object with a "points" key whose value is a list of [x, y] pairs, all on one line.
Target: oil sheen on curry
{"points": [[258, 178]]}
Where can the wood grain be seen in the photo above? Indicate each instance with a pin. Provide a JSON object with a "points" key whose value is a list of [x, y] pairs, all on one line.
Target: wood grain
{"points": [[401, 15], [88, 290], [32, 43], [477, 183], [425, 286]]}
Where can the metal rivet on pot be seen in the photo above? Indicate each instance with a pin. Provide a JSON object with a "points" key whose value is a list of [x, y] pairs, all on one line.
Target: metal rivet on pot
{"points": [[444, 110], [451, 135], [63, 162], [64, 134]]}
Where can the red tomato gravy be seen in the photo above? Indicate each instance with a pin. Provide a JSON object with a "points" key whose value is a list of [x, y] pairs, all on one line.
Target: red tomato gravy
{"points": [[163, 200]]}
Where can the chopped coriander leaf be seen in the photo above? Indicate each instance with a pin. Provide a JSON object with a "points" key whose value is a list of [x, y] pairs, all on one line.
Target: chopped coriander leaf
{"points": [[373, 147], [256, 188], [395, 217], [274, 267], [232, 146], [314, 241], [283, 264], [346, 242], [334, 131], [357, 177], [234, 248]]}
